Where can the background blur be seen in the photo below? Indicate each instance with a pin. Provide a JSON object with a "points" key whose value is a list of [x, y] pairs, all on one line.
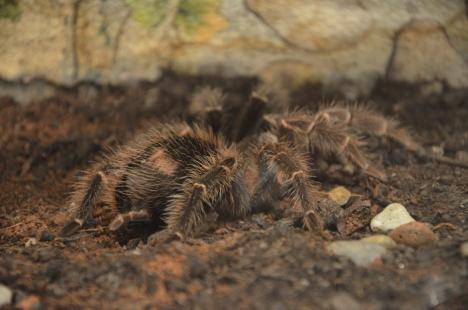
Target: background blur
{"points": [[344, 45]]}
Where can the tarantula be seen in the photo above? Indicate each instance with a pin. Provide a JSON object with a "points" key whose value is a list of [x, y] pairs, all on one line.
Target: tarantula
{"points": [[174, 175]]}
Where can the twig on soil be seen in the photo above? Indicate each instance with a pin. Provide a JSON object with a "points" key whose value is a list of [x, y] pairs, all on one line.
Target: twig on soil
{"points": [[74, 237], [449, 226], [15, 225]]}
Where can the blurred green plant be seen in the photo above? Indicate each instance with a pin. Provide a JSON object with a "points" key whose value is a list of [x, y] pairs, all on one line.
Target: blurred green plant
{"points": [[104, 31], [149, 13], [191, 14], [9, 9]]}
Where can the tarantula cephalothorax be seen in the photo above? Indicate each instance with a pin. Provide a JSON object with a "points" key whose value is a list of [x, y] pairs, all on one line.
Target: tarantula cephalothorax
{"points": [[175, 175]]}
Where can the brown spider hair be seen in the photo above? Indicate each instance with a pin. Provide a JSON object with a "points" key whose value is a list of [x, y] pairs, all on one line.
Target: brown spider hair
{"points": [[174, 175], [171, 175]]}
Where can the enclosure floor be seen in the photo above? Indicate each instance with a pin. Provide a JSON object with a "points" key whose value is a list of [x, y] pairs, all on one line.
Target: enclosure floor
{"points": [[260, 262]]}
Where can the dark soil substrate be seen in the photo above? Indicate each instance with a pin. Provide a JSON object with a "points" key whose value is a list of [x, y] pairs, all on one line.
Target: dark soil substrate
{"points": [[261, 262]]}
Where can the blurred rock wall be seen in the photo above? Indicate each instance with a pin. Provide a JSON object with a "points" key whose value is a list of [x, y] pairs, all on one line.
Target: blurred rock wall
{"points": [[346, 44]]}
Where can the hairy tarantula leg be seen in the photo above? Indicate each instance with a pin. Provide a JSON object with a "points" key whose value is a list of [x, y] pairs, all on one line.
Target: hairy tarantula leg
{"points": [[286, 167], [235, 204], [249, 117], [352, 151], [312, 221], [329, 138], [366, 120], [123, 219], [206, 107], [377, 124], [264, 192], [189, 208], [374, 123], [298, 189], [85, 210], [71, 227]]}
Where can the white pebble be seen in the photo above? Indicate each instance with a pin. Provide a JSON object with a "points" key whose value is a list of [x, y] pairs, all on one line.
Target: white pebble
{"points": [[437, 150], [464, 249], [6, 295], [30, 242], [359, 252], [382, 240], [391, 217]]}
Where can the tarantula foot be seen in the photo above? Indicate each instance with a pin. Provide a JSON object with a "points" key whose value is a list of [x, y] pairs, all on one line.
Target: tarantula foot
{"points": [[71, 227], [122, 220], [117, 223], [376, 173], [164, 236], [313, 222]]}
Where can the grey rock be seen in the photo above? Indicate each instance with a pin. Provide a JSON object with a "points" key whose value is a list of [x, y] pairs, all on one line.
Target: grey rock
{"points": [[6, 295], [382, 240], [344, 301], [345, 44], [425, 45], [360, 252], [464, 249]]}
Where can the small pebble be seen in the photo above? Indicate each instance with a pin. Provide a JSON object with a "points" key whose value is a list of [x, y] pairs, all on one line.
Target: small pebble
{"points": [[360, 252], [340, 195], [136, 252], [30, 242], [345, 301], [391, 217], [414, 234], [382, 240], [304, 282], [464, 249], [6, 295], [46, 236], [349, 168], [30, 302], [437, 150]]}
